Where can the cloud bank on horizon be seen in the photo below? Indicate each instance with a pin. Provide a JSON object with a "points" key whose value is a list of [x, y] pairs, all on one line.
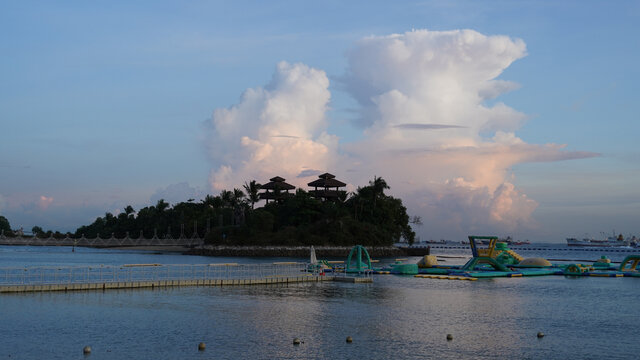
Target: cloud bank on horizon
{"points": [[427, 128]]}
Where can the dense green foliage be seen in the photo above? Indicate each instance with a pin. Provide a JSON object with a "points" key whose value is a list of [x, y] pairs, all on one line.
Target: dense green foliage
{"points": [[165, 221], [367, 217], [4, 224]]}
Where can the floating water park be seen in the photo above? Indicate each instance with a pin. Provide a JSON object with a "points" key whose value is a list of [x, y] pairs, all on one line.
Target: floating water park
{"points": [[493, 261]]}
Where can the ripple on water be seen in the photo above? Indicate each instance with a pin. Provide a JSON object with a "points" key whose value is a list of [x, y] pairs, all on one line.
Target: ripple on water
{"points": [[395, 317]]}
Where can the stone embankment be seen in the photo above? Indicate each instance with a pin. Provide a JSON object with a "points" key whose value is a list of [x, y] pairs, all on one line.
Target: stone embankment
{"points": [[303, 251]]}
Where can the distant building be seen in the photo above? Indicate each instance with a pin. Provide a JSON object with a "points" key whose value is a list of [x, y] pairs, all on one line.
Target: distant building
{"points": [[276, 189], [326, 187]]}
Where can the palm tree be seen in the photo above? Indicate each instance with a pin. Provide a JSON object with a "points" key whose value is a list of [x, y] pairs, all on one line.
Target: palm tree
{"points": [[252, 189], [227, 198], [109, 219], [129, 210], [378, 185], [162, 205], [233, 199], [209, 201], [237, 197]]}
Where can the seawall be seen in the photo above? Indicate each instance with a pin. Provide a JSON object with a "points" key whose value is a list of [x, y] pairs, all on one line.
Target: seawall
{"points": [[303, 251]]}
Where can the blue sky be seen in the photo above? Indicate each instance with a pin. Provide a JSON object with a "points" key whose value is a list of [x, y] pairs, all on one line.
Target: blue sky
{"points": [[105, 104]]}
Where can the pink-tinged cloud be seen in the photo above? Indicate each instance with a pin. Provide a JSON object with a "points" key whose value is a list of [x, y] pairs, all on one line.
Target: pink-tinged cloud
{"points": [[429, 131], [427, 128], [44, 202], [276, 130]]}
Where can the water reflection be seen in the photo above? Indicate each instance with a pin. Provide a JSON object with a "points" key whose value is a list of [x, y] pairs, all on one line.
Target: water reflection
{"points": [[395, 317]]}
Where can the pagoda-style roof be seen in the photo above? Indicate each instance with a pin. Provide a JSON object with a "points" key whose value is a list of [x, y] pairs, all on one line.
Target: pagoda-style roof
{"points": [[276, 189], [323, 184], [327, 183], [327, 180], [277, 183]]}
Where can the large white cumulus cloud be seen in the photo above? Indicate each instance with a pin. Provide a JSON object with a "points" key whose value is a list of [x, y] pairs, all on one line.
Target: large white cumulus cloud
{"points": [[430, 131], [447, 74], [430, 121], [276, 130]]}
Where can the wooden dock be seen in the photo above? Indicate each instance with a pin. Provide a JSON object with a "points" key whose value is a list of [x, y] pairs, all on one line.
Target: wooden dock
{"points": [[158, 284], [133, 276]]}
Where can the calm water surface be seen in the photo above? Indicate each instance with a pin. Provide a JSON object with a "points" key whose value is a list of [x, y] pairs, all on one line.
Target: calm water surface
{"points": [[395, 317]]}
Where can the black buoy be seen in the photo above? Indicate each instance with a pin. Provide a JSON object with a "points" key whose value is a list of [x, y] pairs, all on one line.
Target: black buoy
{"points": [[449, 337], [296, 341], [349, 339], [540, 335], [86, 350], [202, 346]]}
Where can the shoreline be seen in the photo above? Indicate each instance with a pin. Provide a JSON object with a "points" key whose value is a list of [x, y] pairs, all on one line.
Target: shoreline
{"points": [[301, 251], [265, 251], [156, 248]]}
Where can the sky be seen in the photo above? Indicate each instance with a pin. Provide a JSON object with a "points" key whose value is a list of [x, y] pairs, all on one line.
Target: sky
{"points": [[485, 117]]}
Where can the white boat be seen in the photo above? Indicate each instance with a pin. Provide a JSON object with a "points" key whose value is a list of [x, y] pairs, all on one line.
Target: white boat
{"points": [[611, 241], [510, 241]]}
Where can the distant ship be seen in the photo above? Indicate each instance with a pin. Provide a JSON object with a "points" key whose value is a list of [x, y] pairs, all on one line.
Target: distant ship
{"points": [[507, 240], [510, 241], [611, 241]]}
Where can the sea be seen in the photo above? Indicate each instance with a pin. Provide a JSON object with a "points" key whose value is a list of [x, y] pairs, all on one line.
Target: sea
{"points": [[395, 317]]}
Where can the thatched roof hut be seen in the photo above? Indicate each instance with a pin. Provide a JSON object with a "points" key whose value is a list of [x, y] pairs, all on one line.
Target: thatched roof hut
{"points": [[324, 187], [276, 189]]}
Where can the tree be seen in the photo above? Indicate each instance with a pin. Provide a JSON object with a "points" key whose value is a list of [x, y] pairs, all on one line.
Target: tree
{"points": [[129, 210], [298, 219], [238, 205], [110, 220], [378, 185], [37, 230], [162, 205], [252, 189], [4, 224], [227, 198], [238, 195]]}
